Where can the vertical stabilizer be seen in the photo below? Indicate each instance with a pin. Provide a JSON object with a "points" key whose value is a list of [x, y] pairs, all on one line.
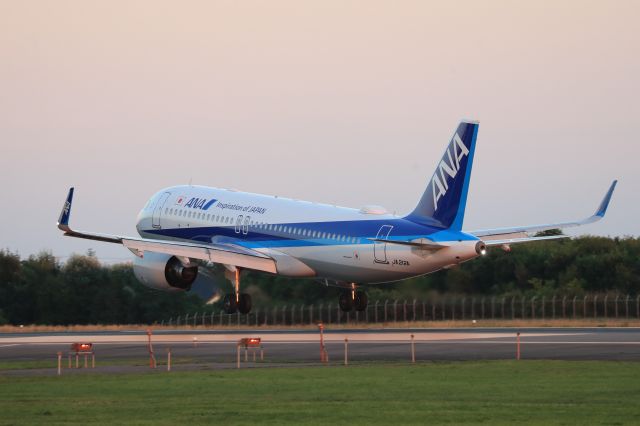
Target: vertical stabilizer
{"points": [[445, 198]]}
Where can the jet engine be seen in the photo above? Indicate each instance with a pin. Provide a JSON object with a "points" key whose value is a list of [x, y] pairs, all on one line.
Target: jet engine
{"points": [[164, 272]]}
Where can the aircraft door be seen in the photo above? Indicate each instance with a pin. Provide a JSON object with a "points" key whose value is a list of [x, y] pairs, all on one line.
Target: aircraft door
{"points": [[380, 248], [239, 224], [157, 211], [245, 227]]}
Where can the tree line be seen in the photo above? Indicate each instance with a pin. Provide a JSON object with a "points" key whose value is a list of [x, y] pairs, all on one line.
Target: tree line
{"points": [[42, 290]]}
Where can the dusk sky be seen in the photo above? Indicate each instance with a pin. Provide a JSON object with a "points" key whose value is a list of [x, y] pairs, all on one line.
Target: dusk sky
{"points": [[343, 102]]}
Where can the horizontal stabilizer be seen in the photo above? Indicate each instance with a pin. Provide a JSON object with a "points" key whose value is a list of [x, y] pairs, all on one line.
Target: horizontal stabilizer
{"points": [[421, 243]]}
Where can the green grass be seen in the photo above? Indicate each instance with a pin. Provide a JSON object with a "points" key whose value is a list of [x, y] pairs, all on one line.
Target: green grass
{"points": [[495, 392]]}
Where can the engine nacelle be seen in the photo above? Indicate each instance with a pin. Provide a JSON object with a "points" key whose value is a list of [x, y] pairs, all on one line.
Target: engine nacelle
{"points": [[164, 272]]}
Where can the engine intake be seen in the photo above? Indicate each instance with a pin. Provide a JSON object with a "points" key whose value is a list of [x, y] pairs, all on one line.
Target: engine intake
{"points": [[164, 272]]}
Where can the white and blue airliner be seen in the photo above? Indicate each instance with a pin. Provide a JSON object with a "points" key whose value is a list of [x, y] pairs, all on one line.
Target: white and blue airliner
{"points": [[340, 246]]}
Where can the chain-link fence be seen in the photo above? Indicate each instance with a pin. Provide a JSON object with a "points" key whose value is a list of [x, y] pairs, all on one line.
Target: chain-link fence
{"points": [[441, 309]]}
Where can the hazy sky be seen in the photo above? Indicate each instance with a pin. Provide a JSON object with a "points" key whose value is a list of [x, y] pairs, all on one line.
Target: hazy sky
{"points": [[345, 102]]}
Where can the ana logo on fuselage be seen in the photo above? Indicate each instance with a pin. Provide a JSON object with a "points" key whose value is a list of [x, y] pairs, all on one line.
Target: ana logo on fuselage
{"points": [[439, 183], [200, 203]]}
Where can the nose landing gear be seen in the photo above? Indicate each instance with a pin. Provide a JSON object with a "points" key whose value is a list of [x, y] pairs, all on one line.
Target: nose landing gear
{"points": [[353, 299]]}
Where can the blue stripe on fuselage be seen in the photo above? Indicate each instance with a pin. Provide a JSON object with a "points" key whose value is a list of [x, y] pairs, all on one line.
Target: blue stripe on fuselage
{"points": [[362, 230]]}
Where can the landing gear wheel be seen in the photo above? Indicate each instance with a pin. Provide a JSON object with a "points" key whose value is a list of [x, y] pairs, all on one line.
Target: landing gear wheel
{"points": [[345, 301], [361, 300], [229, 303], [244, 304]]}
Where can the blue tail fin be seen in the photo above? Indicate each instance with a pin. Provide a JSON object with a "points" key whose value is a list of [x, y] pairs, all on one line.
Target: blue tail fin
{"points": [[445, 198]]}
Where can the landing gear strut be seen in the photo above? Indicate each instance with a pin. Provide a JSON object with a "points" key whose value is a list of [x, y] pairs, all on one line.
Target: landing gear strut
{"points": [[237, 301], [353, 299]]}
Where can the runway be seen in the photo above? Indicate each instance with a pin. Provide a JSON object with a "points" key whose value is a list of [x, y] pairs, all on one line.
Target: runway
{"points": [[217, 348]]}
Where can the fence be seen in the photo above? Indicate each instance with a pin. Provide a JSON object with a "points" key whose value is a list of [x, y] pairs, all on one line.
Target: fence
{"points": [[442, 309]]}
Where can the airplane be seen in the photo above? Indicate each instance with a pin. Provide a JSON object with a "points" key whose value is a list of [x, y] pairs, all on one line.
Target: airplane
{"points": [[346, 247]]}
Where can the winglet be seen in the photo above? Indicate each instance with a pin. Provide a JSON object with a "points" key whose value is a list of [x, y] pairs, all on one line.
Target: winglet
{"points": [[602, 208], [63, 221]]}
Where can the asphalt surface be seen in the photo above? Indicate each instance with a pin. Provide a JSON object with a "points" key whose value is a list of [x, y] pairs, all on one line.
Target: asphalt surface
{"points": [[197, 349]]}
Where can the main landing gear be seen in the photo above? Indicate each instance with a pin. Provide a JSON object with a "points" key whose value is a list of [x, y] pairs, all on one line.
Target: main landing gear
{"points": [[353, 299], [237, 301]]}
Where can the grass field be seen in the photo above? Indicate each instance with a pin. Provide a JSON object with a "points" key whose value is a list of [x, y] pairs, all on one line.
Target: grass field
{"points": [[496, 392]]}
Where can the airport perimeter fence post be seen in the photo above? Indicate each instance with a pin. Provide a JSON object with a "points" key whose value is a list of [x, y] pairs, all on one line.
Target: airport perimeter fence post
{"points": [[413, 350], [502, 309], [606, 297], [626, 308], [301, 314], [293, 314], [518, 346], [310, 314], [329, 313], [444, 308], [195, 318], [553, 307], [375, 311], [212, 314], [584, 307], [386, 302], [452, 303], [169, 358], [473, 308], [564, 307], [414, 310], [59, 363], [238, 319], [404, 310], [178, 321], [338, 316], [275, 316], [433, 311], [533, 307], [186, 319], [513, 307], [482, 307], [616, 306], [464, 299], [595, 306], [284, 315], [493, 308], [543, 303], [523, 303], [395, 310], [320, 316]]}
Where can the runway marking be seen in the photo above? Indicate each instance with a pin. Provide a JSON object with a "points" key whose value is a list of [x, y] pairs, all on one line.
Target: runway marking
{"points": [[6, 346]]}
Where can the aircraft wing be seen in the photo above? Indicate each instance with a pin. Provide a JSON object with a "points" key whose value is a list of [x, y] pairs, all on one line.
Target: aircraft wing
{"points": [[228, 254], [522, 234]]}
